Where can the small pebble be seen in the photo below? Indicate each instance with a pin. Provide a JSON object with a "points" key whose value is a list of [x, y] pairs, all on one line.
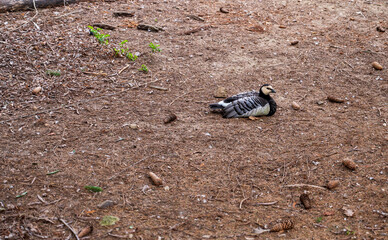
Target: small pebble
{"points": [[294, 42], [295, 106], [36, 90], [106, 204], [320, 102], [155, 179], [332, 184], [349, 164], [172, 117], [377, 66], [220, 92], [133, 126]]}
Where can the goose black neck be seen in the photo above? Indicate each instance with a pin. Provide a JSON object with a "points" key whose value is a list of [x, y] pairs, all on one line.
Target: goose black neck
{"points": [[272, 106], [261, 94]]}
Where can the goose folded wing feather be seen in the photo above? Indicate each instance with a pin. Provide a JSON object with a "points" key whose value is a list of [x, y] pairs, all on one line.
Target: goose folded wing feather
{"points": [[247, 106]]}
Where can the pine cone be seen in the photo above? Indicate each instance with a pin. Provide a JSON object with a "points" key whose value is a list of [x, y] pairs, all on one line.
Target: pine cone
{"points": [[349, 164], [304, 198], [285, 225]]}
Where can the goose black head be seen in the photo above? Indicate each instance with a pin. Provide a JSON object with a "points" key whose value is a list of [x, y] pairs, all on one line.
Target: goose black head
{"points": [[266, 89]]}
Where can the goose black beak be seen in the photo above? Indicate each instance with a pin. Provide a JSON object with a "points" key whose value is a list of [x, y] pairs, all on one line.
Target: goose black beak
{"points": [[273, 90]]}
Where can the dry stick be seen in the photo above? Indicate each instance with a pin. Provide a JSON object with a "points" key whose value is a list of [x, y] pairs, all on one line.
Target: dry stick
{"points": [[78, 102], [116, 236], [78, 11], [158, 88], [267, 204], [348, 64], [184, 95], [242, 201], [141, 160], [304, 185], [70, 228], [126, 66], [36, 14], [41, 199]]}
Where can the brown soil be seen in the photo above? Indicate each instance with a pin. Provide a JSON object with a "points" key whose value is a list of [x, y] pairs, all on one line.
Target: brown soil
{"points": [[216, 171]]}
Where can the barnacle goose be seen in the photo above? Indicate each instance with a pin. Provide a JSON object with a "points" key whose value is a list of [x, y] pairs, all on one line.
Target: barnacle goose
{"points": [[248, 104]]}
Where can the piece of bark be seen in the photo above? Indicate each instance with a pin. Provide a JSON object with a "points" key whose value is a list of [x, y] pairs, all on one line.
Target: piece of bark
{"points": [[23, 5], [224, 10], [123, 14], [335, 99], [104, 26], [149, 28], [196, 30], [194, 17]]}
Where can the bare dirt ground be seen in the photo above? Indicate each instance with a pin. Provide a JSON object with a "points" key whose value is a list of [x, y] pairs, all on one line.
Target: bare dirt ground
{"points": [[100, 128]]}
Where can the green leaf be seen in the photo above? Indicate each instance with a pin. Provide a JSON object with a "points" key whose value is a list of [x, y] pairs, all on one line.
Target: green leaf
{"points": [[53, 172], [109, 220], [93, 188], [21, 195]]}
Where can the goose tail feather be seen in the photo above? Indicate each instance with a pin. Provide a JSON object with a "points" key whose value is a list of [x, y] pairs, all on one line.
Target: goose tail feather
{"points": [[215, 106]]}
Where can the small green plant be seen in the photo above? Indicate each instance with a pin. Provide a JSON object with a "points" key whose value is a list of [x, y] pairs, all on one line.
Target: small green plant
{"points": [[143, 68], [349, 231], [93, 188], [154, 47], [319, 219], [121, 51], [53, 73], [131, 56], [102, 38]]}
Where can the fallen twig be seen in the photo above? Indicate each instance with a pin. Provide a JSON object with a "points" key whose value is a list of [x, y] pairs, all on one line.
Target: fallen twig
{"points": [[36, 14], [158, 88], [67, 14], [196, 30], [184, 95], [348, 64], [95, 74], [267, 203], [123, 69], [116, 236], [41, 199], [70, 228], [381, 213], [141, 160], [242, 201], [77, 103], [305, 185]]}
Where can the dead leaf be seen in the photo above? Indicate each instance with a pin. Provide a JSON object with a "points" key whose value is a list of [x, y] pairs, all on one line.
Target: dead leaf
{"points": [[348, 212], [329, 213]]}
